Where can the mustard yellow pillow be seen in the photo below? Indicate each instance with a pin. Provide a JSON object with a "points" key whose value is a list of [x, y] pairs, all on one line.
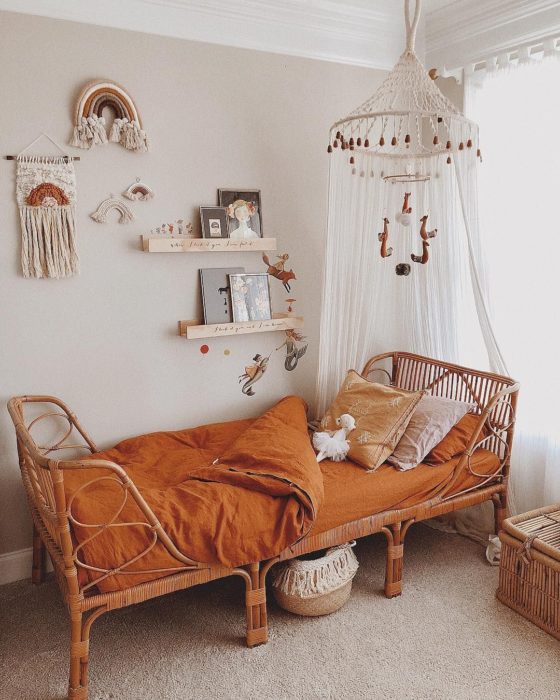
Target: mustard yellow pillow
{"points": [[381, 414]]}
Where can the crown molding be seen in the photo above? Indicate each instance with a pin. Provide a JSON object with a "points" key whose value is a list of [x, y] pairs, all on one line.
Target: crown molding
{"points": [[355, 32], [467, 31]]}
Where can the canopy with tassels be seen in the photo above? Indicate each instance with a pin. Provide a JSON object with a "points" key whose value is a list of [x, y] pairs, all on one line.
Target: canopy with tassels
{"points": [[402, 194]]}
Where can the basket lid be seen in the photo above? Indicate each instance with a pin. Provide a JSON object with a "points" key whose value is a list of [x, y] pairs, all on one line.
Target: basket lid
{"points": [[538, 529]]}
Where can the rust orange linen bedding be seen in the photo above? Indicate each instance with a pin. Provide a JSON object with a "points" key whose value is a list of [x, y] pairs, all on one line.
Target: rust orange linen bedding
{"points": [[352, 493], [217, 515], [229, 494]]}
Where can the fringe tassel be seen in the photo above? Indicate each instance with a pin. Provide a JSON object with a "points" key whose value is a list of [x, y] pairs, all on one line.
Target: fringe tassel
{"points": [[129, 135], [48, 245], [308, 579], [89, 132]]}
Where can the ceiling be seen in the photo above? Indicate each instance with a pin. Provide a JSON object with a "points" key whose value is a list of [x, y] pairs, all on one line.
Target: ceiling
{"points": [[358, 32]]}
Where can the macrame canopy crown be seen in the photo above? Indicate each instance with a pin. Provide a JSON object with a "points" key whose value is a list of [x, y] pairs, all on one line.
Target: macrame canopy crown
{"points": [[408, 116], [406, 135]]}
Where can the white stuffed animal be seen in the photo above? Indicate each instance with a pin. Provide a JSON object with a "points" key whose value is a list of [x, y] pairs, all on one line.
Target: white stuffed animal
{"points": [[334, 446]]}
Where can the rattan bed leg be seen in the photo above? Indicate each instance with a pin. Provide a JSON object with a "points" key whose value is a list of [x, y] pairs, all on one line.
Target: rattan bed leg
{"points": [[395, 535], [39, 559], [77, 690], [255, 599], [79, 652], [500, 510]]}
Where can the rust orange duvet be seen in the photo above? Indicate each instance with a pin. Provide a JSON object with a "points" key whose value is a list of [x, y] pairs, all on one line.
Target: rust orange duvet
{"points": [[234, 493], [226, 494]]}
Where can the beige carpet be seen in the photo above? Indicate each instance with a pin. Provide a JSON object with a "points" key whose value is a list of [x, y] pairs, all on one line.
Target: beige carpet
{"points": [[447, 638]]}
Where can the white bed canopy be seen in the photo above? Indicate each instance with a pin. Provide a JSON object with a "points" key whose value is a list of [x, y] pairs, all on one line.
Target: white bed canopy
{"points": [[390, 283]]}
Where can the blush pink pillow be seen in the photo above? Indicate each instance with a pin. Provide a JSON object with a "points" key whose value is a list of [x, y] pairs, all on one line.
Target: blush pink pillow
{"points": [[432, 419]]}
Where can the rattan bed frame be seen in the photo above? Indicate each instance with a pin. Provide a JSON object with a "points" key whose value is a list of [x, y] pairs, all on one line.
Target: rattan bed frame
{"points": [[43, 478]]}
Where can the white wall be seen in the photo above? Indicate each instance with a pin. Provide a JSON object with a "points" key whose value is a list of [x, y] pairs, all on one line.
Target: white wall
{"points": [[106, 341]]}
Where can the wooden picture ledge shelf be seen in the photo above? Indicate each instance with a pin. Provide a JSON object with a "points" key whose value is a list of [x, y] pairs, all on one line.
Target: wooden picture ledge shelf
{"points": [[161, 244], [279, 322]]}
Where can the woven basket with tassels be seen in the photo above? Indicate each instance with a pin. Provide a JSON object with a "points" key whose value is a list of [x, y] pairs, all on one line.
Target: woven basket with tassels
{"points": [[316, 586]]}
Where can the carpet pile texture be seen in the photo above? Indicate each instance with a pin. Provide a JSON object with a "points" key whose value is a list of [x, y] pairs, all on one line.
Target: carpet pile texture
{"points": [[445, 638]]}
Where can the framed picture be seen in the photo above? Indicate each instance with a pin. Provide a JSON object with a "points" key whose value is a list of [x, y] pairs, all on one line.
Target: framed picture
{"points": [[244, 212], [216, 297], [214, 222], [250, 297]]}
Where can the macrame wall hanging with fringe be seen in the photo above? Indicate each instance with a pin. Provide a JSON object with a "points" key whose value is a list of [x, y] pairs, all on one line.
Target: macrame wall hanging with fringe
{"points": [[90, 128], [46, 197], [126, 215]]}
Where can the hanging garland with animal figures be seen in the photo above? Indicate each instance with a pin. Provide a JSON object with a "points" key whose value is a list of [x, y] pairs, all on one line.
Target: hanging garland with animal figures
{"points": [[293, 342], [295, 350]]}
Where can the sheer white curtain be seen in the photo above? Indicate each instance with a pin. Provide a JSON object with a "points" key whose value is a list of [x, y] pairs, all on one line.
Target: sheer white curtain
{"points": [[440, 309], [518, 111], [367, 308]]}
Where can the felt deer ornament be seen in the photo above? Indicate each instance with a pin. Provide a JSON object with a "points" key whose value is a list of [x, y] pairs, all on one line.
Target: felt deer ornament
{"points": [[423, 259], [406, 209], [384, 238], [403, 217], [424, 233]]}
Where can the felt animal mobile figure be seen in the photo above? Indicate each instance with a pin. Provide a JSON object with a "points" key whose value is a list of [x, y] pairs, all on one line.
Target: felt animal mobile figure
{"points": [[277, 270], [423, 259], [293, 352], [424, 233], [404, 216], [406, 208], [383, 238], [335, 445], [253, 373], [402, 270]]}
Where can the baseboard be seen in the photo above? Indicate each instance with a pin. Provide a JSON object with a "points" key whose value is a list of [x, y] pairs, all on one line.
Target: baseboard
{"points": [[15, 566]]}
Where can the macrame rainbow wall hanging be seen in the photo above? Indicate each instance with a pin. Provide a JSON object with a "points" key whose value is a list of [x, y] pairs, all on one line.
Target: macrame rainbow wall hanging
{"points": [[89, 128], [126, 215]]}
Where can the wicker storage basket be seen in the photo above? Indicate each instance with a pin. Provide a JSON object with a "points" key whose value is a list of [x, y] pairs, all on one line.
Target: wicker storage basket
{"points": [[530, 567], [313, 587]]}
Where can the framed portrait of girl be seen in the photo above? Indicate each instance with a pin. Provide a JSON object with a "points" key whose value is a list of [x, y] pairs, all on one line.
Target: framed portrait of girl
{"points": [[244, 213]]}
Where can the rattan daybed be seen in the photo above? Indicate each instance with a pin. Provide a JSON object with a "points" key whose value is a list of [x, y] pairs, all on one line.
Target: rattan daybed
{"points": [[480, 473]]}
